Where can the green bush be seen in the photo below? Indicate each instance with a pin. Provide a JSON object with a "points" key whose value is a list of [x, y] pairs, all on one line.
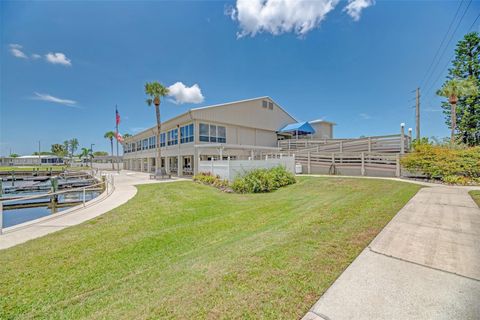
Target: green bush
{"points": [[451, 165], [263, 180], [208, 178]]}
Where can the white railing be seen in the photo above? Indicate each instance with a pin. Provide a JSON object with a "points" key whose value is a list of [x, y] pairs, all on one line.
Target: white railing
{"points": [[354, 163], [380, 144], [107, 184]]}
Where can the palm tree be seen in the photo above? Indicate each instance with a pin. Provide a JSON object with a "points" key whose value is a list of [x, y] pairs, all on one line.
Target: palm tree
{"points": [[86, 153], [73, 146], [453, 89], [155, 91], [110, 135]]}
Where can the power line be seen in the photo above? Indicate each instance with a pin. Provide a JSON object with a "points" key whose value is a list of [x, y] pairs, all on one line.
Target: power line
{"points": [[450, 40], [441, 43]]}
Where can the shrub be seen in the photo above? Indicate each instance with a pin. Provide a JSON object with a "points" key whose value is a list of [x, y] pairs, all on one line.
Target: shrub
{"points": [[451, 165], [208, 178], [263, 180]]}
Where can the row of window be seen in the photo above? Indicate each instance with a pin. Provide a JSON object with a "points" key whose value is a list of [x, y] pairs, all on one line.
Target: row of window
{"points": [[208, 133], [212, 133]]}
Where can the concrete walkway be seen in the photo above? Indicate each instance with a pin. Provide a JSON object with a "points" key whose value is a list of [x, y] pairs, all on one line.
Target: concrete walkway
{"points": [[425, 264], [125, 182]]}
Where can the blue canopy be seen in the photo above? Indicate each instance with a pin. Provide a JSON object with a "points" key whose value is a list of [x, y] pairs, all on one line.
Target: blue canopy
{"points": [[300, 127]]}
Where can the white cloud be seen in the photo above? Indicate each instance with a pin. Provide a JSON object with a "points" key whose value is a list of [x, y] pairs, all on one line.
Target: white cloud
{"points": [[365, 116], [15, 50], [49, 98], [58, 58], [282, 16], [35, 56], [183, 94], [354, 7]]}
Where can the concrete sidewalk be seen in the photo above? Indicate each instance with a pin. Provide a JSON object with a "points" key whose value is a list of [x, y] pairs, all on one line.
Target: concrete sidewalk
{"points": [[425, 264], [125, 182]]}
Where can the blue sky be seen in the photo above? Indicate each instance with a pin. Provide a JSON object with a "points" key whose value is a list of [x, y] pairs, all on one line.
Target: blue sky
{"points": [[359, 74]]}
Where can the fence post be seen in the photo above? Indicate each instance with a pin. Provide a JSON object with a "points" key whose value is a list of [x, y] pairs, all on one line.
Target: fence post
{"points": [[288, 144], [402, 138], [397, 165], [369, 144], [1, 218], [333, 158], [308, 163], [84, 196], [363, 163], [341, 146]]}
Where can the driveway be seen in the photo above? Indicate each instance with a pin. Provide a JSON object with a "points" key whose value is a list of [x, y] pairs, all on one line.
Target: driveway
{"points": [[425, 264]]}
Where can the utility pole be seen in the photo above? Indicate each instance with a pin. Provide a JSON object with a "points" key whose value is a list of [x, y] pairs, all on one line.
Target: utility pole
{"points": [[417, 114], [39, 157]]}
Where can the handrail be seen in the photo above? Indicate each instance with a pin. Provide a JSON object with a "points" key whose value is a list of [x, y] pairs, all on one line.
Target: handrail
{"points": [[108, 180]]}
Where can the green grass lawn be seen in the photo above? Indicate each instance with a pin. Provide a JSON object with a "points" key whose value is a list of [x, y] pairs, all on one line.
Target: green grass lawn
{"points": [[476, 196], [188, 251]]}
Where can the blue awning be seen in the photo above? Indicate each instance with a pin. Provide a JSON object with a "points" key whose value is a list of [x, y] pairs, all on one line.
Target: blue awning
{"points": [[300, 127]]}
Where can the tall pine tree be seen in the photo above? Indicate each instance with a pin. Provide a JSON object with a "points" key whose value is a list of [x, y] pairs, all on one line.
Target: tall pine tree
{"points": [[466, 65]]}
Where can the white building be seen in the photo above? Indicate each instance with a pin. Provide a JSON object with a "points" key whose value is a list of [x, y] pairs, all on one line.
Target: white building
{"points": [[31, 160], [236, 130]]}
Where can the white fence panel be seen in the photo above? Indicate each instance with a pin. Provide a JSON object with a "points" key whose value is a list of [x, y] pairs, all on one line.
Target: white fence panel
{"points": [[230, 169]]}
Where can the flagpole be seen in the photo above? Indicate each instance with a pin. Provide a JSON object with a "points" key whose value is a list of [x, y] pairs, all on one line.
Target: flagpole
{"points": [[116, 128]]}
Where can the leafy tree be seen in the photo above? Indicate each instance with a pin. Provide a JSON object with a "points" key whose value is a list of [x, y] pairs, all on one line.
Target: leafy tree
{"points": [[127, 135], [59, 150], [155, 91], [73, 143], [466, 66], [43, 153], [14, 155], [110, 135]]}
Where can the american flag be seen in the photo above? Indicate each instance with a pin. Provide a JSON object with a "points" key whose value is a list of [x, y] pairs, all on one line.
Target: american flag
{"points": [[117, 116]]}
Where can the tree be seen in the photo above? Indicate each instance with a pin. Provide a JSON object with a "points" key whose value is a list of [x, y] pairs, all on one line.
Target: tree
{"points": [[155, 91], [86, 153], [466, 66], [110, 135], [14, 155], [453, 90], [127, 135], [73, 146], [59, 150]]}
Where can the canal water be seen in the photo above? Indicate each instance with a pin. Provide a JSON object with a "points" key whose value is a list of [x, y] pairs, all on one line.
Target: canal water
{"points": [[42, 208]]}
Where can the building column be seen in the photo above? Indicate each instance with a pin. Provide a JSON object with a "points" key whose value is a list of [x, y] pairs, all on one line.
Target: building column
{"points": [[179, 166], [167, 164], [141, 164], [149, 167], [195, 161]]}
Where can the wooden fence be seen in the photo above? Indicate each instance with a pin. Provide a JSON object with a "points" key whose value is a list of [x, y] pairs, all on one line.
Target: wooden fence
{"points": [[361, 163], [378, 144]]}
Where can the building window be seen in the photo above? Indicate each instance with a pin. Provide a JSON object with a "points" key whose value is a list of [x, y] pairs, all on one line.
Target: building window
{"points": [[186, 133], [270, 105], [221, 134], [172, 137], [213, 133], [145, 144], [162, 140], [264, 104], [139, 145], [204, 132], [151, 142]]}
